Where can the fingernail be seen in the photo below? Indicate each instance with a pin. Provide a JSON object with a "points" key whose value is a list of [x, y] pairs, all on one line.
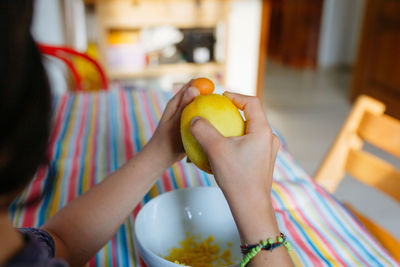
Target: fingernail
{"points": [[194, 120], [192, 92]]}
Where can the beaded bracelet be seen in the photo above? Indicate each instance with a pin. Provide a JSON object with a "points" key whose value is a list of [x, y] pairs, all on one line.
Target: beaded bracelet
{"points": [[250, 251]]}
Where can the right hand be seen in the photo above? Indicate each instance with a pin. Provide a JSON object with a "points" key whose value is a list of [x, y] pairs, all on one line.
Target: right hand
{"points": [[243, 166]]}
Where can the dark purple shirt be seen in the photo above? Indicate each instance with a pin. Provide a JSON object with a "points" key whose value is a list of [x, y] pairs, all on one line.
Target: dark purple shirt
{"points": [[37, 252]]}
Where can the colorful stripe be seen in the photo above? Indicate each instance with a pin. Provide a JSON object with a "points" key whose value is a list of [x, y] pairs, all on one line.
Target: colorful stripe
{"points": [[95, 133]]}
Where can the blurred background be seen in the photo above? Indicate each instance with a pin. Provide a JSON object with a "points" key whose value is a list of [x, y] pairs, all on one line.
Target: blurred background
{"points": [[308, 60]]}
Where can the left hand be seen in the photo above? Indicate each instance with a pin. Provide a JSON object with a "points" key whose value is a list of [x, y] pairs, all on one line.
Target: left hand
{"points": [[167, 137]]}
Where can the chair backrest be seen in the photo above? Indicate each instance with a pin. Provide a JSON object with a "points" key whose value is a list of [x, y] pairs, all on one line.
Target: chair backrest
{"points": [[63, 53], [366, 123]]}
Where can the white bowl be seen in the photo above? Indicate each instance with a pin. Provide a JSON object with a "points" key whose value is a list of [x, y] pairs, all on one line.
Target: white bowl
{"points": [[163, 222]]}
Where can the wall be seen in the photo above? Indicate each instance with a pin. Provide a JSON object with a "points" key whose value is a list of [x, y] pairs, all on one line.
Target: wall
{"points": [[47, 28], [340, 30], [243, 46]]}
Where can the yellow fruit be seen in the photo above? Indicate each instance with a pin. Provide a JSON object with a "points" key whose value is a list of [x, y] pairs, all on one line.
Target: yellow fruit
{"points": [[221, 113]]}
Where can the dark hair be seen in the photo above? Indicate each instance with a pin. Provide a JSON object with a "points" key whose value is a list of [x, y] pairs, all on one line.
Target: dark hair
{"points": [[25, 98]]}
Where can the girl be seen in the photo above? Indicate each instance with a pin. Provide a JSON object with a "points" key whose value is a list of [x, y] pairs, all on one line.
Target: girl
{"points": [[242, 166]]}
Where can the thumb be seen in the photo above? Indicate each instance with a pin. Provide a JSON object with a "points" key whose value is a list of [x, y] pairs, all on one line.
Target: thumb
{"points": [[208, 137]]}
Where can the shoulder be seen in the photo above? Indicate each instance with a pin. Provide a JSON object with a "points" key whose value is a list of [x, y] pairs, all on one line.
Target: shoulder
{"points": [[38, 250]]}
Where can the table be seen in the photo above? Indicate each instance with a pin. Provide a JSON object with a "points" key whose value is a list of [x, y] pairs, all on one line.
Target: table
{"points": [[95, 133]]}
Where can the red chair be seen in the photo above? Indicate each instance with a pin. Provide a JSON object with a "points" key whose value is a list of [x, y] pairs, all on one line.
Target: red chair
{"points": [[63, 53]]}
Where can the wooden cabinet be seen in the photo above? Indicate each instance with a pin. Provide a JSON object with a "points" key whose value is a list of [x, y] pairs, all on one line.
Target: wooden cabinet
{"points": [[241, 31], [150, 13], [114, 15], [377, 69]]}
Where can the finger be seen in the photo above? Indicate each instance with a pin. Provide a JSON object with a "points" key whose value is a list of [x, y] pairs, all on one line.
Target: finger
{"points": [[253, 111], [208, 137], [181, 91], [188, 96], [173, 104]]}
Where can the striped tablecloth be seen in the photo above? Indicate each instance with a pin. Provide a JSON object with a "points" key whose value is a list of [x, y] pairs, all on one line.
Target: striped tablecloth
{"points": [[95, 133]]}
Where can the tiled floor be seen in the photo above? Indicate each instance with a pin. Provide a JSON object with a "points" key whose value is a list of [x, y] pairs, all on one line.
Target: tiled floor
{"points": [[308, 109]]}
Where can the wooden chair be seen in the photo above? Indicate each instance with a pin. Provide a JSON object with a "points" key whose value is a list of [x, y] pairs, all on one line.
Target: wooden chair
{"points": [[366, 123], [63, 53]]}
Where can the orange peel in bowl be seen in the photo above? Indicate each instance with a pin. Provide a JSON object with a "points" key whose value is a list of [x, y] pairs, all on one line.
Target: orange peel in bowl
{"points": [[203, 253]]}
